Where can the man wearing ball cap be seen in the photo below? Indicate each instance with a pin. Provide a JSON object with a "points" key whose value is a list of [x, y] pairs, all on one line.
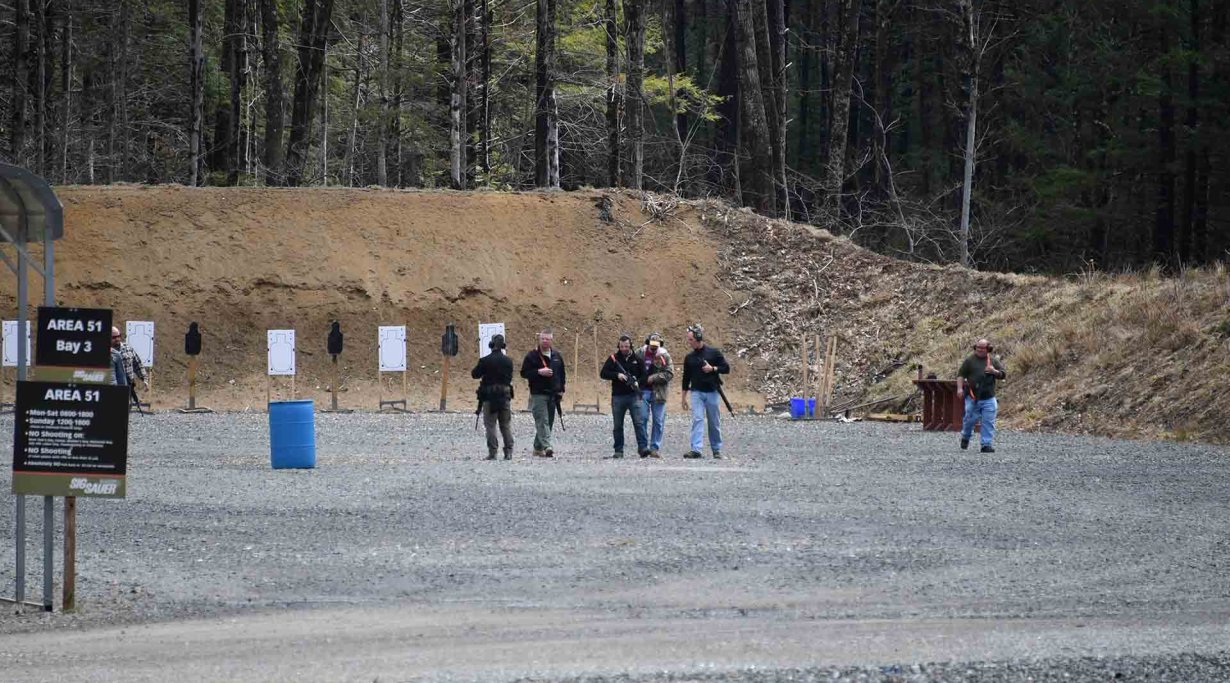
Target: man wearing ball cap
{"points": [[495, 392]]}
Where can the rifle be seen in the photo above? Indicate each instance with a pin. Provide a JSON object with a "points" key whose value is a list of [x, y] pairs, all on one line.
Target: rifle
{"points": [[725, 400], [631, 382], [559, 410], [478, 411], [136, 400]]}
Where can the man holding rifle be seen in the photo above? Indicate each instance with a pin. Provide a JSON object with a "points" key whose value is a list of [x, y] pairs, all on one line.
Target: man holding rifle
{"points": [[625, 372], [702, 371], [543, 368], [134, 369], [495, 393], [976, 383]]}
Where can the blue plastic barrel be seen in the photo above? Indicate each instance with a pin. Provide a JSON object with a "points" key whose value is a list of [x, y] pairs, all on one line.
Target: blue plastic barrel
{"points": [[797, 407], [811, 407], [292, 434]]}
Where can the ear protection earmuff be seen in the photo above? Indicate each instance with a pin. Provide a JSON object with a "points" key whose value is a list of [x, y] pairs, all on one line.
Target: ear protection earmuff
{"points": [[697, 333], [990, 347]]}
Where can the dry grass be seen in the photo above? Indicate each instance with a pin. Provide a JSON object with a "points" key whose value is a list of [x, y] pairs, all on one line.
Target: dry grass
{"points": [[1132, 354]]}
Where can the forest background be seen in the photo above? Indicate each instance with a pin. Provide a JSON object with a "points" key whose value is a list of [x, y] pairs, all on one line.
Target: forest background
{"points": [[1035, 136]]}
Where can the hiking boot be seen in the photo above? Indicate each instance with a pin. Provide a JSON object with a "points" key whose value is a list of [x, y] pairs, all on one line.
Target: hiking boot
{"points": [[988, 449], [508, 455], [644, 453], [539, 454], [491, 455], [964, 443], [692, 455], [549, 453], [617, 454], [654, 453], [717, 455]]}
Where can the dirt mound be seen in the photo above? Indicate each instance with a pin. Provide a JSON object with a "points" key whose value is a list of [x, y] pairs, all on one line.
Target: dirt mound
{"points": [[241, 261], [1125, 355]]}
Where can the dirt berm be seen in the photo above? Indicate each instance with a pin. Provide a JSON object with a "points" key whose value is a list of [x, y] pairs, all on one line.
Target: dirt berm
{"points": [[1134, 354]]}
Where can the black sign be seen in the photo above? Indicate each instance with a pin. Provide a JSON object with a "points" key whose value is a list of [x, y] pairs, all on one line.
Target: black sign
{"points": [[70, 439], [73, 337]]}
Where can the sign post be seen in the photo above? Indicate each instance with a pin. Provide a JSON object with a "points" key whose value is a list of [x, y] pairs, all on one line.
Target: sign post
{"points": [[448, 349], [70, 435]]}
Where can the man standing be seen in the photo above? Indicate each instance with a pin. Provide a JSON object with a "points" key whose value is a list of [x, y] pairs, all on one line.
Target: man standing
{"points": [[543, 368], [625, 372], [702, 370], [976, 382], [134, 369], [495, 393]]}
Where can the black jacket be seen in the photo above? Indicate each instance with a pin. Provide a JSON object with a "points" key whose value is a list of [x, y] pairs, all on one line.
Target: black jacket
{"points": [[695, 379], [495, 372], [632, 366], [544, 385]]}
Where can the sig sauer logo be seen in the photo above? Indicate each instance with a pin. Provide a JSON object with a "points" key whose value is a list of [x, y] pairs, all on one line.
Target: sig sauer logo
{"points": [[100, 487]]}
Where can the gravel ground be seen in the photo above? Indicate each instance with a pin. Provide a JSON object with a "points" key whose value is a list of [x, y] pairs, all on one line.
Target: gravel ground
{"points": [[813, 551]]}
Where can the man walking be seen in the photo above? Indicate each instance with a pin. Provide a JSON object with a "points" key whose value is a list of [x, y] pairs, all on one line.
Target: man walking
{"points": [[702, 370], [543, 368], [134, 369], [658, 373], [976, 382], [495, 393], [625, 372]]}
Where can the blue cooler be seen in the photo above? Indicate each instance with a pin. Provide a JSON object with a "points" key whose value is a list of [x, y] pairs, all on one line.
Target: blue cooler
{"points": [[292, 434]]}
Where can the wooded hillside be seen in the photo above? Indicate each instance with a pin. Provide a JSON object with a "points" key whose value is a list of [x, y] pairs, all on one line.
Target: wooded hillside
{"points": [[1031, 135]]}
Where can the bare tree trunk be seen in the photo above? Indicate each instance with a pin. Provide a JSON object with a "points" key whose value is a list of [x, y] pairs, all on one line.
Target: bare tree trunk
{"points": [[1192, 123], [395, 114], [40, 107], [457, 103], [546, 114], [843, 73], [635, 38], [382, 123], [757, 183], [275, 103], [21, 80], [66, 87], [196, 79], [971, 64], [612, 94], [313, 40], [237, 69], [351, 151], [882, 98], [726, 133], [484, 125], [777, 49], [1163, 226]]}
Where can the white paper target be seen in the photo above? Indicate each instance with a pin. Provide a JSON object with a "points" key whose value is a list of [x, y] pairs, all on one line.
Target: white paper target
{"points": [[281, 352], [140, 336], [392, 348], [485, 332], [10, 343]]}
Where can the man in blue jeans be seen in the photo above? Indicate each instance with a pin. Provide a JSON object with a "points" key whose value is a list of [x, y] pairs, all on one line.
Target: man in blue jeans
{"points": [[702, 370], [976, 382], [625, 372]]}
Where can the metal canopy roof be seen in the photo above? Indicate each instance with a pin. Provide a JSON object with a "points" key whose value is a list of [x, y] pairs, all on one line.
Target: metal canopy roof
{"points": [[29, 209]]}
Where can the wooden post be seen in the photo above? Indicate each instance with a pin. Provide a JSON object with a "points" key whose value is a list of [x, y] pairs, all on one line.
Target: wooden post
{"points": [[292, 388], [444, 385], [268, 390], [576, 362], [334, 384], [803, 391], [597, 373], [191, 382], [70, 552], [818, 377], [405, 386], [829, 361]]}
